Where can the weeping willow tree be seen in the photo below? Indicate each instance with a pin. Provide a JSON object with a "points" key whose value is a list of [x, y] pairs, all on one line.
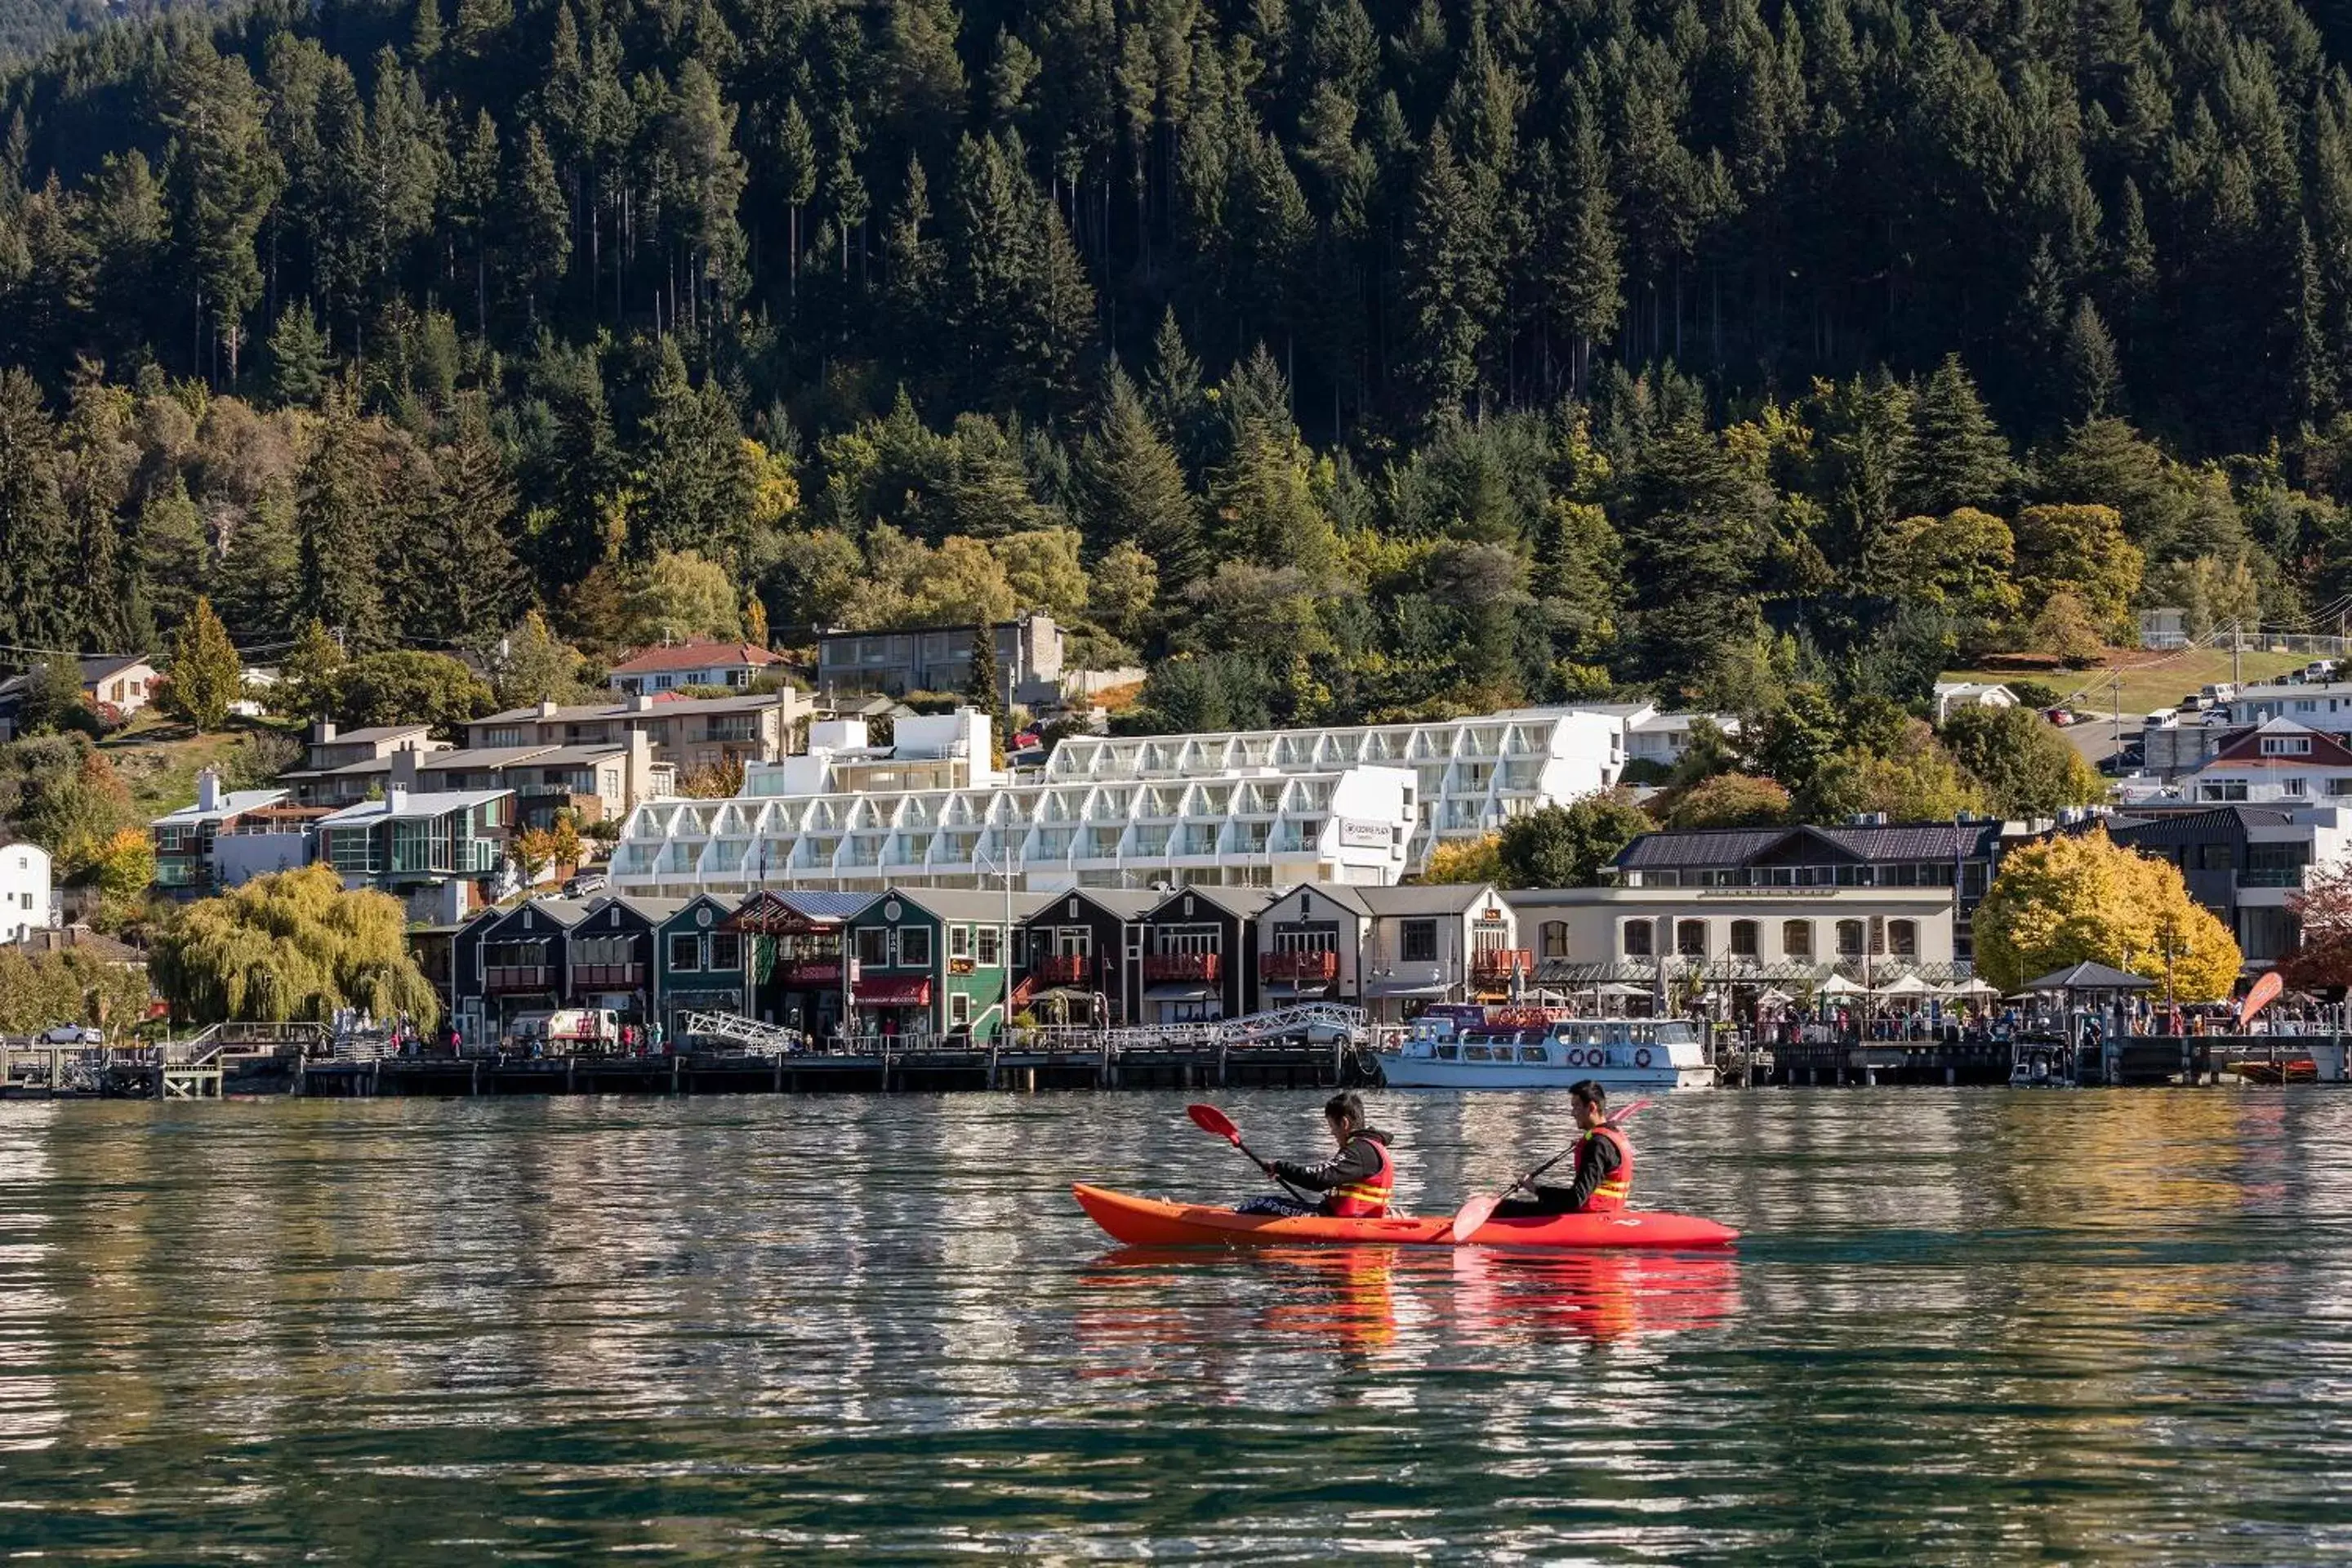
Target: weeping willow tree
{"points": [[293, 945]]}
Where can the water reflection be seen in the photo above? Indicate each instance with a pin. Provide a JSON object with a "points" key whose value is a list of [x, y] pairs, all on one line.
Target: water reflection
{"points": [[1961, 1326]]}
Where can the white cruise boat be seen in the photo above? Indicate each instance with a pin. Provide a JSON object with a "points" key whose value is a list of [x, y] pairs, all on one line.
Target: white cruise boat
{"points": [[1619, 1054]]}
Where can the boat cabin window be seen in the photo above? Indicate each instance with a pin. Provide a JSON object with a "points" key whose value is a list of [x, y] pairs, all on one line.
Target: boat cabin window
{"points": [[1531, 1054], [1476, 1054]]}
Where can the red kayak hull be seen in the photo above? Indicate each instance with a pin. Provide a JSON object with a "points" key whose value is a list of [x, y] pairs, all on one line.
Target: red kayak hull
{"points": [[1153, 1222]]}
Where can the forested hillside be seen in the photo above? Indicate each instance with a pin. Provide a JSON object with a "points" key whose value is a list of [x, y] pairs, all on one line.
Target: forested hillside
{"points": [[1341, 358]]}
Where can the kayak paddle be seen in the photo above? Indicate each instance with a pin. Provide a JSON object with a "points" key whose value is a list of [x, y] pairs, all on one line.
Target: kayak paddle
{"points": [[1210, 1119], [1482, 1206]]}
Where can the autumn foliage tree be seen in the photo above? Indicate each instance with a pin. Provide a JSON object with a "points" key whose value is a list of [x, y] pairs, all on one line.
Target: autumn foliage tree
{"points": [[2322, 960], [2083, 898]]}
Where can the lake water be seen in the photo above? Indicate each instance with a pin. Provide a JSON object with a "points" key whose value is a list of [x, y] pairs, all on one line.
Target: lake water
{"points": [[1964, 1327]]}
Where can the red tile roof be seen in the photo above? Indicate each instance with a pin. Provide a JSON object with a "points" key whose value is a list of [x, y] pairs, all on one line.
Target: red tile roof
{"points": [[694, 655]]}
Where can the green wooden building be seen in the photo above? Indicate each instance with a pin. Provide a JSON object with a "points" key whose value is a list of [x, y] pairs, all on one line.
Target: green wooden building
{"points": [[936, 961]]}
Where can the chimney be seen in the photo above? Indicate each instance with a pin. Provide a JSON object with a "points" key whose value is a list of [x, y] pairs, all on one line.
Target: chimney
{"points": [[395, 799], [208, 790], [636, 771], [323, 730], [641, 702], [546, 706], [403, 770]]}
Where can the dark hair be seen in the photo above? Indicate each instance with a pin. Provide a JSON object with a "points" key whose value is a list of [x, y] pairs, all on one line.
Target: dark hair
{"points": [[1347, 1103], [1586, 1091]]}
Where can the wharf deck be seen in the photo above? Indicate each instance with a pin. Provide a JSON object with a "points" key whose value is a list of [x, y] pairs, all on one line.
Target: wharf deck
{"points": [[853, 1071]]}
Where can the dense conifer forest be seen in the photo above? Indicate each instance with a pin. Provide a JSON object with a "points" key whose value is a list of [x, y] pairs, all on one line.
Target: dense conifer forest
{"points": [[1336, 359]]}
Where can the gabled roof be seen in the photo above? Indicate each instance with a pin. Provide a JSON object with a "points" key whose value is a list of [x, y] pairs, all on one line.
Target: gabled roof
{"points": [[1676, 848], [1242, 903], [376, 732], [234, 803], [1118, 903], [94, 670], [1427, 897], [561, 913], [1347, 897], [700, 654], [2243, 748], [956, 903]]}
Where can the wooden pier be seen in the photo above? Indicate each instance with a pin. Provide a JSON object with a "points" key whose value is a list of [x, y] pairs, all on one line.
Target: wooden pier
{"points": [[879, 1070]]}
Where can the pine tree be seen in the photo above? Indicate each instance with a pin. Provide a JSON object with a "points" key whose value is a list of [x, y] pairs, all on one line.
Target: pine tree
{"points": [[481, 585], [538, 221], [204, 674], [1449, 282], [36, 539], [171, 561], [298, 358], [94, 481], [1697, 525], [983, 688], [306, 676], [339, 528], [2089, 364], [1132, 489], [224, 178], [1958, 456]]}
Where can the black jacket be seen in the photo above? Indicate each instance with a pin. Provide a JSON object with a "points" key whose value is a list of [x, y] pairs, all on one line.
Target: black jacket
{"points": [[1355, 1161]]}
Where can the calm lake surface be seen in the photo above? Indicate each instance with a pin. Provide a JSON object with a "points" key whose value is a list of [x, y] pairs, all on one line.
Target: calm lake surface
{"points": [[1964, 1327]]}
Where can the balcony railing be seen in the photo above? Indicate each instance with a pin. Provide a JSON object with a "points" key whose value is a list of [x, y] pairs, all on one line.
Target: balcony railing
{"points": [[607, 976], [1501, 963], [1164, 966], [2272, 876], [519, 977], [1059, 969], [1298, 965]]}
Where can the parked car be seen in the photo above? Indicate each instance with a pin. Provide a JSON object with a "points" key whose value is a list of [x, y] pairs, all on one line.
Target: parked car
{"points": [[2059, 716], [72, 1034], [2217, 691], [584, 884], [2319, 669]]}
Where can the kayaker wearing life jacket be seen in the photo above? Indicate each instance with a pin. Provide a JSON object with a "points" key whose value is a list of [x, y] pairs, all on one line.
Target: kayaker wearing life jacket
{"points": [[1604, 1164], [1355, 1183]]}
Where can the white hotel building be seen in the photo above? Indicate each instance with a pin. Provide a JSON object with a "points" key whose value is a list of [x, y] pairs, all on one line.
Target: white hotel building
{"points": [[1359, 805]]}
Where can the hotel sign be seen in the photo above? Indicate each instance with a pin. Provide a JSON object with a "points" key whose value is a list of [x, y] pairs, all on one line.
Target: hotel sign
{"points": [[1354, 835]]}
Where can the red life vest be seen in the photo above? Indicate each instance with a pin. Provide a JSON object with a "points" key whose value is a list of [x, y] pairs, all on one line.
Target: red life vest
{"points": [[1617, 1187], [1367, 1199]]}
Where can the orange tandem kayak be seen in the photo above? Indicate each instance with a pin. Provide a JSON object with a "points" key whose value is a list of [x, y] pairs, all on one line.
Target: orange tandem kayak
{"points": [[1154, 1222]]}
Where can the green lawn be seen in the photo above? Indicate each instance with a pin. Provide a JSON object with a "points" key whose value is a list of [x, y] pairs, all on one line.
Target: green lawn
{"points": [[2151, 679], [159, 757]]}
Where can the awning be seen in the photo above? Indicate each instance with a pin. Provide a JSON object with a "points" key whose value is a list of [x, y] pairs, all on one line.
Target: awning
{"points": [[1406, 988], [1298, 987], [1179, 993], [894, 991]]}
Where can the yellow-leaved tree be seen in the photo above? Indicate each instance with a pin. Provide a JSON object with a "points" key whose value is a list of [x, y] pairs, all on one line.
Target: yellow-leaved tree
{"points": [[2082, 897], [292, 945], [1466, 860]]}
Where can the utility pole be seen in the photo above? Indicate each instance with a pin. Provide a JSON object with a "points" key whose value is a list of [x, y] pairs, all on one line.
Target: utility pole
{"points": [[2237, 654], [2115, 690]]}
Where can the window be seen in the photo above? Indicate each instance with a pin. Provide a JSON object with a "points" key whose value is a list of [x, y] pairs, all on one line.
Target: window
{"points": [[2220, 858], [1637, 939], [1850, 939], [2228, 789], [873, 944], [1555, 939], [915, 947], [2295, 786], [959, 1010], [1797, 939], [988, 946], [959, 942], [1902, 938], [2339, 785], [685, 953], [726, 949], [1690, 938], [1417, 941], [1744, 938], [2286, 745]]}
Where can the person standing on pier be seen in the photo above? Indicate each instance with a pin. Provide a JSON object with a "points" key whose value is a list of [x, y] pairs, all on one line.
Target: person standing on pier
{"points": [[1355, 1183], [1603, 1181]]}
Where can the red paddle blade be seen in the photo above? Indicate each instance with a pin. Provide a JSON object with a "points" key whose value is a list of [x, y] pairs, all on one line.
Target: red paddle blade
{"points": [[1209, 1118], [1475, 1213]]}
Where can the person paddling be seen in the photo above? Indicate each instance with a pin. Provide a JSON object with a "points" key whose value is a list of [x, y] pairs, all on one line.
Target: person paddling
{"points": [[1604, 1165], [1355, 1183]]}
